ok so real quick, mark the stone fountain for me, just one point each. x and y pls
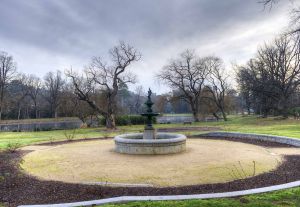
(150, 142)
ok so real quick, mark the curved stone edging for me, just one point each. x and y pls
(270, 138)
(162, 137)
(124, 199)
(165, 143)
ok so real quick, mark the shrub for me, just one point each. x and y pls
(16, 130)
(51, 139)
(13, 146)
(70, 135)
(294, 110)
(128, 120)
(36, 129)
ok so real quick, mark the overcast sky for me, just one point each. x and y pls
(47, 35)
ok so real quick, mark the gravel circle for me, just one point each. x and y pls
(18, 188)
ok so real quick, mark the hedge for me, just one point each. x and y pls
(128, 120)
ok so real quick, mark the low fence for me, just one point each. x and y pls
(174, 119)
(41, 126)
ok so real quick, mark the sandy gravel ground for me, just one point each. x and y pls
(205, 161)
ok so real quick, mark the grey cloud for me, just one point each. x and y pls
(84, 28)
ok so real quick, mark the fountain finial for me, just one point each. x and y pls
(149, 93)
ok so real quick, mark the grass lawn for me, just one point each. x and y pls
(284, 198)
(27, 138)
(248, 124)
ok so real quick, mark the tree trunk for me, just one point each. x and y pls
(285, 112)
(195, 115)
(19, 114)
(248, 110)
(216, 116)
(194, 107)
(224, 115)
(110, 121)
(1, 107)
(110, 117)
(36, 110)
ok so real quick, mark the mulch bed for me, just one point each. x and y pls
(18, 188)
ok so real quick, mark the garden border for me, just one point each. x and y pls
(270, 138)
(124, 199)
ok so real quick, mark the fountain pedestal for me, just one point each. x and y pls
(149, 134)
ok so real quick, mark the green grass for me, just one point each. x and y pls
(249, 124)
(27, 138)
(290, 197)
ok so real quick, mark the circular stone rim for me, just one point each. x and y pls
(165, 143)
(133, 138)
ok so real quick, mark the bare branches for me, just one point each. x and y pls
(274, 75)
(218, 83)
(188, 74)
(106, 79)
(53, 83)
(7, 72)
(268, 2)
(122, 55)
(294, 26)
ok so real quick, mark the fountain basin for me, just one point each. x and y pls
(165, 143)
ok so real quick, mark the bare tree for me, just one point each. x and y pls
(218, 83)
(273, 77)
(139, 92)
(7, 71)
(295, 14)
(106, 79)
(187, 74)
(34, 85)
(242, 78)
(53, 84)
(20, 91)
(281, 62)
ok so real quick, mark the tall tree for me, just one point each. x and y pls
(259, 85)
(218, 85)
(187, 74)
(100, 77)
(19, 92)
(34, 85)
(244, 89)
(7, 71)
(281, 62)
(137, 99)
(53, 84)
(274, 75)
